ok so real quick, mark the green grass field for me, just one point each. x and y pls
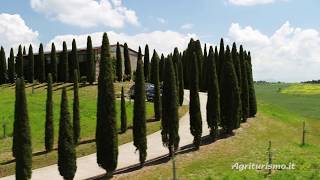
(279, 120)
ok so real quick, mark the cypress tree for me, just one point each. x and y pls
(64, 63)
(54, 64)
(170, 119)
(216, 59)
(181, 82)
(49, 132)
(22, 149)
(146, 64)
(24, 51)
(175, 62)
(31, 65)
(11, 67)
(127, 62)
(74, 61)
(161, 68)
(198, 51)
(204, 75)
(244, 86)
(221, 58)
(42, 73)
(119, 63)
(3, 67)
(230, 95)
(156, 82)
(19, 63)
(106, 129)
(139, 112)
(252, 94)
(213, 103)
(123, 112)
(194, 107)
(76, 112)
(237, 67)
(91, 62)
(66, 149)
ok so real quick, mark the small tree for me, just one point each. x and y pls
(49, 128)
(106, 129)
(91, 62)
(42, 73)
(139, 112)
(19, 63)
(74, 61)
(123, 112)
(76, 111)
(66, 149)
(64, 63)
(252, 94)
(119, 63)
(155, 81)
(11, 67)
(31, 65)
(127, 63)
(170, 118)
(3, 67)
(194, 107)
(54, 63)
(146, 64)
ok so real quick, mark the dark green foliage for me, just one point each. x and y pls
(175, 62)
(3, 67)
(74, 61)
(76, 110)
(106, 129)
(139, 111)
(66, 149)
(54, 64)
(213, 103)
(30, 65)
(123, 112)
(127, 63)
(237, 67)
(19, 63)
(156, 82)
(216, 58)
(42, 73)
(194, 107)
(118, 63)
(22, 149)
(64, 63)
(230, 95)
(24, 51)
(11, 67)
(170, 119)
(91, 68)
(161, 68)
(181, 82)
(204, 81)
(198, 51)
(49, 137)
(146, 64)
(220, 60)
(244, 86)
(252, 94)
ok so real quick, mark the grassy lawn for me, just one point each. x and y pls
(279, 120)
(36, 107)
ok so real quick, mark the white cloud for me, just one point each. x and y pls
(161, 20)
(162, 41)
(289, 54)
(87, 13)
(14, 31)
(250, 2)
(187, 26)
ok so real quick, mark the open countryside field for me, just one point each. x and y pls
(279, 120)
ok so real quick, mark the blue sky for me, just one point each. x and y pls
(281, 28)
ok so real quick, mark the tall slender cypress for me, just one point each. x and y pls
(204, 75)
(54, 63)
(252, 94)
(230, 95)
(74, 61)
(175, 62)
(76, 110)
(221, 58)
(127, 62)
(64, 63)
(119, 63)
(161, 68)
(42, 73)
(213, 103)
(66, 149)
(3, 67)
(24, 51)
(123, 112)
(31, 65)
(19, 63)
(194, 107)
(49, 128)
(244, 86)
(11, 67)
(146, 64)
(22, 149)
(181, 82)
(106, 129)
(237, 67)
(170, 119)
(91, 62)
(139, 111)
(156, 82)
